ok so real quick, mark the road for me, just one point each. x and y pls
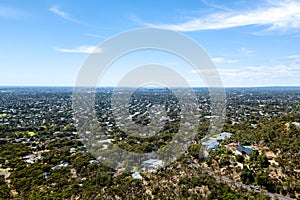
(247, 187)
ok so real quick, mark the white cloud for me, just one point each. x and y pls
(63, 14)
(265, 72)
(287, 73)
(293, 59)
(223, 60)
(280, 75)
(81, 49)
(278, 15)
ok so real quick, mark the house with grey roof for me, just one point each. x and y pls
(244, 150)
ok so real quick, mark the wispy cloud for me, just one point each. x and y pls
(286, 72)
(80, 49)
(257, 72)
(276, 75)
(223, 60)
(95, 36)
(246, 51)
(64, 15)
(263, 72)
(294, 59)
(277, 15)
(212, 5)
(10, 12)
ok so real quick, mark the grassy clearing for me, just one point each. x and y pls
(31, 133)
(4, 115)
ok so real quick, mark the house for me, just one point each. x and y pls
(244, 150)
(46, 175)
(224, 135)
(93, 161)
(63, 164)
(211, 144)
(72, 150)
(30, 159)
(152, 165)
(297, 124)
(214, 142)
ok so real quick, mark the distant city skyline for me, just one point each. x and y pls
(252, 43)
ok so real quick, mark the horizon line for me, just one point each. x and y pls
(69, 86)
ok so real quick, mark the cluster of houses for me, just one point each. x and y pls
(244, 104)
(213, 143)
(35, 107)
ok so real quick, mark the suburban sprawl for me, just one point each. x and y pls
(255, 155)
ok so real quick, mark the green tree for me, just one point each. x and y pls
(4, 189)
(240, 158)
(194, 149)
(247, 176)
(263, 161)
(253, 155)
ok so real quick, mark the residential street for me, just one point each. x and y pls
(247, 187)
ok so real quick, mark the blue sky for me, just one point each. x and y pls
(252, 43)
